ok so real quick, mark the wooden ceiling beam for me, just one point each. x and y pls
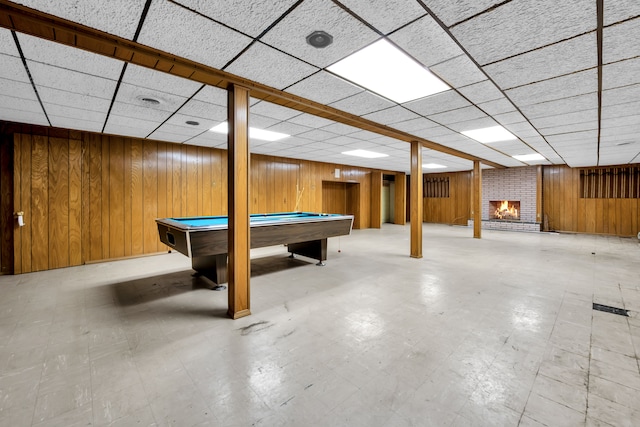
(39, 24)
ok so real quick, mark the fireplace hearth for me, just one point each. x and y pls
(504, 210)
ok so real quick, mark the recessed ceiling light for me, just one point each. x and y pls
(149, 101)
(490, 134)
(386, 70)
(433, 166)
(264, 135)
(319, 39)
(365, 153)
(529, 157)
(192, 123)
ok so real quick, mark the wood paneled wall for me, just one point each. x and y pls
(7, 219)
(90, 197)
(456, 208)
(565, 210)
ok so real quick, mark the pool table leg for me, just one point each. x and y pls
(316, 249)
(213, 267)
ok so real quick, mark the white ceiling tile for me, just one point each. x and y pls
(76, 123)
(13, 69)
(385, 15)
(11, 115)
(133, 95)
(157, 81)
(180, 120)
(75, 100)
(613, 122)
(497, 106)
(7, 44)
(438, 103)
(209, 139)
(459, 71)
(479, 123)
(324, 87)
(119, 17)
(621, 73)
(20, 104)
(362, 103)
(79, 114)
(289, 128)
(615, 11)
(521, 25)
(317, 135)
(621, 41)
(433, 132)
(568, 128)
(71, 81)
(62, 56)
(509, 118)
(451, 12)
(212, 95)
(561, 106)
(483, 91)
(203, 110)
(459, 115)
(129, 126)
(127, 115)
(251, 18)
(261, 122)
(311, 121)
(268, 66)
(340, 129)
(414, 124)
(174, 29)
(589, 136)
(620, 95)
(391, 115)
(274, 111)
(560, 87)
(559, 119)
(349, 34)
(573, 55)
(426, 41)
(19, 90)
(343, 140)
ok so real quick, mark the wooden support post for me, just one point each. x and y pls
(238, 199)
(477, 200)
(416, 216)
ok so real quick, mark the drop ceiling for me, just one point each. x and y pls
(532, 67)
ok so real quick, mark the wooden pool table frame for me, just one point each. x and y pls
(207, 245)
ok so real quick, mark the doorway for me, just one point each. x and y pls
(342, 198)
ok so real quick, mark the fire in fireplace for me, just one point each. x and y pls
(504, 209)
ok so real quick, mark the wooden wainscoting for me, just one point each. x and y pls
(90, 197)
(564, 208)
(454, 209)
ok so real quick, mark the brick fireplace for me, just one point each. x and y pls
(518, 188)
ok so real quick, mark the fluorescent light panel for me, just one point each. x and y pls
(490, 134)
(261, 134)
(365, 153)
(386, 70)
(433, 166)
(529, 157)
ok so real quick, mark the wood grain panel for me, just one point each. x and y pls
(40, 203)
(137, 199)
(75, 202)
(95, 194)
(10, 185)
(85, 232)
(191, 163)
(127, 196)
(9, 147)
(105, 197)
(150, 196)
(116, 197)
(58, 203)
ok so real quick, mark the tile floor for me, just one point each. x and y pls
(492, 332)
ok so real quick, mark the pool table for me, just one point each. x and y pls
(204, 239)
